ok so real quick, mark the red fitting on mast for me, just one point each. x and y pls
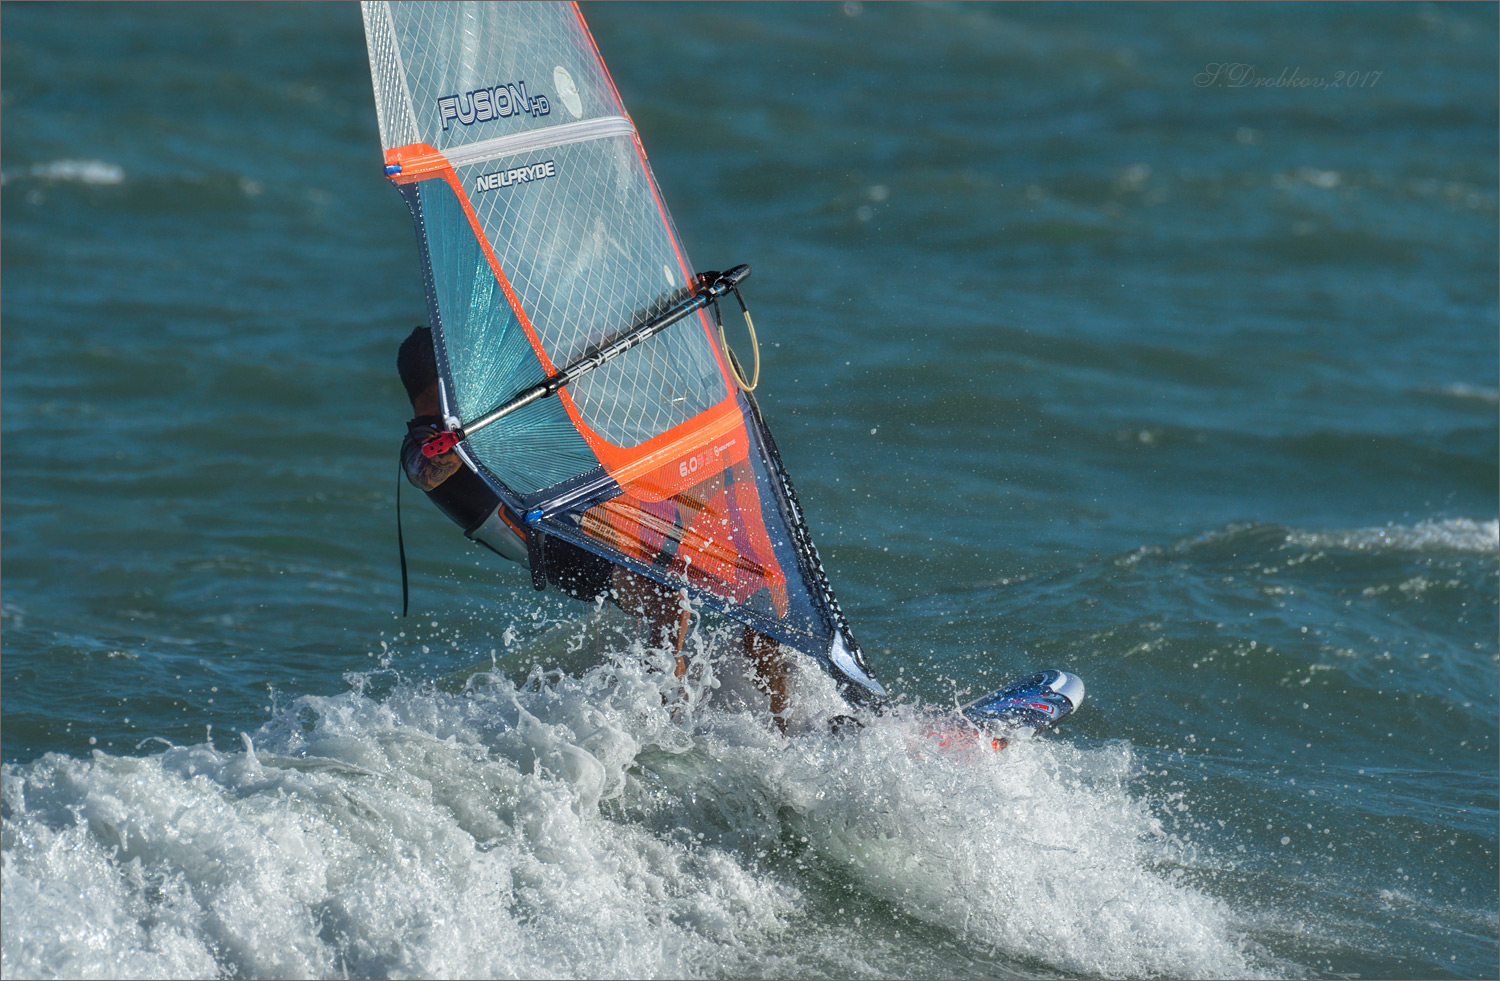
(440, 443)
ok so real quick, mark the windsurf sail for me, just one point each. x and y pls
(581, 375)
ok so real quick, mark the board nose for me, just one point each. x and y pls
(1068, 685)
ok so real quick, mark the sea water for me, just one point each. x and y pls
(1153, 343)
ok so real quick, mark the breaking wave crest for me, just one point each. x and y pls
(79, 171)
(1443, 536)
(601, 824)
(1448, 535)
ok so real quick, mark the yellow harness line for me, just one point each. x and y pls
(734, 366)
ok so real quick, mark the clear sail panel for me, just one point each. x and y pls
(453, 74)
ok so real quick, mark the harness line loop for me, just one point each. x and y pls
(734, 367)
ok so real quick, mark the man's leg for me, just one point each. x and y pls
(770, 672)
(667, 619)
(665, 614)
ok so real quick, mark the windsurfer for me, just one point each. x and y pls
(464, 497)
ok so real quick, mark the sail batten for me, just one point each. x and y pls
(588, 129)
(544, 240)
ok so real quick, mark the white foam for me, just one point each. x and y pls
(570, 826)
(81, 171)
(1459, 390)
(1451, 534)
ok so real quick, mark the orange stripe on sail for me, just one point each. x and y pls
(722, 544)
(419, 161)
(661, 207)
(712, 536)
(658, 462)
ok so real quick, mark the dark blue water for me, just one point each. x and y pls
(1092, 337)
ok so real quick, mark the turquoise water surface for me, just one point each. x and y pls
(1157, 343)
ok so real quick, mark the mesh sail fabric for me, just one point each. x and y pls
(485, 354)
(543, 237)
(424, 53)
(589, 255)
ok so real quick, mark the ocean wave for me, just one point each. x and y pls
(1446, 535)
(1442, 535)
(1459, 390)
(579, 826)
(80, 171)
